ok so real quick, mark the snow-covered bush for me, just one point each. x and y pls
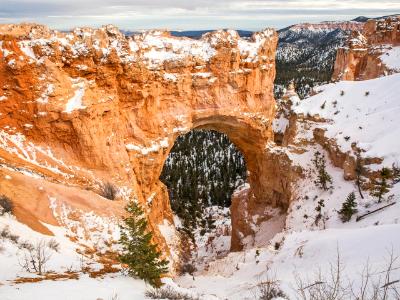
(5, 233)
(54, 245)
(6, 205)
(188, 268)
(36, 257)
(334, 285)
(168, 293)
(268, 290)
(108, 191)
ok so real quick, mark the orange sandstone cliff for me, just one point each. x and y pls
(362, 59)
(90, 106)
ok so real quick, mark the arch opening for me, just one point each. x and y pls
(268, 175)
(205, 167)
(202, 171)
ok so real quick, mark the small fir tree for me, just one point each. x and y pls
(323, 179)
(381, 185)
(395, 174)
(141, 257)
(210, 222)
(348, 208)
(359, 171)
(318, 209)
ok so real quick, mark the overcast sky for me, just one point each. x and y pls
(188, 14)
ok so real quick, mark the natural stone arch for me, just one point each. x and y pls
(250, 135)
(132, 109)
(249, 138)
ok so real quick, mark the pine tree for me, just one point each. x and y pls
(138, 253)
(396, 173)
(323, 179)
(348, 208)
(318, 209)
(359, 171)
(381, 185)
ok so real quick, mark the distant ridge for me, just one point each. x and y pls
(364, 19)
(361, 19)
(194, 34)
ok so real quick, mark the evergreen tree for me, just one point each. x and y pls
(142, 258)
(318, 209)
(359, 171)
(381, 185)
(323, 178)
(348, 208)
(396, 174)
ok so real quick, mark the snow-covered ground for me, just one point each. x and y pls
(391, 58)
(112, 287)
(216, 242)
(303, 253)
(64, 261)
(366, 112)
(361, 112)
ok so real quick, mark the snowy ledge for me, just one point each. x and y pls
(364, 113)
(153, 47)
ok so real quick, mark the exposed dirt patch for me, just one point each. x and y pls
(47, 276)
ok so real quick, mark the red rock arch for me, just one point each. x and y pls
(132, 106)
(269, 173)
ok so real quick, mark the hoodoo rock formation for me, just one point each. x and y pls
(363, 57)
(91, 106)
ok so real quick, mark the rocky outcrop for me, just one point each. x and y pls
(284, 124)
(248, 211)
(328, 26)
(361, 58)
(92, 105)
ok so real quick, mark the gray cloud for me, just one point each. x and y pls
(184, 14)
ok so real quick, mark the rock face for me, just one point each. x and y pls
(327, 26)
(306, 53)
(92, 106)
(248, 211)
(362, 58)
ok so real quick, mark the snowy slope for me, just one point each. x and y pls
(109, 288)
(391, 58)
(64, 261)
(306, 246)
(236, 276)
(366, 114)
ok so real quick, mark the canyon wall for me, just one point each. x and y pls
(90, 106)
(361, 59)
